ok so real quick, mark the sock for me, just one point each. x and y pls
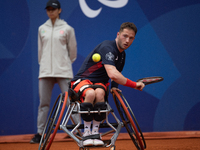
(87, 126)
(95, 128)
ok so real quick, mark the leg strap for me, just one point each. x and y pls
(100, 106)
(87, 107)
(94, 136)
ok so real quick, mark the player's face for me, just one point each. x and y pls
(125, 39)
(53, 13)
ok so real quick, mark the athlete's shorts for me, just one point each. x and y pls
(80, 87)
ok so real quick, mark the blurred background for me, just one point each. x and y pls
(167, 44)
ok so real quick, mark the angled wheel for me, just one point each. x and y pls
(53, 122)
(129, 120)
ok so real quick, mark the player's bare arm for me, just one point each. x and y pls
(116, 76)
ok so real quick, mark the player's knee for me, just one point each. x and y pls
(100, 106)
(87, 107)
(99, 94)
(90, 96)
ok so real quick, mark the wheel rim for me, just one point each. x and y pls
(50, 124)
(59, 119)
(128, 121)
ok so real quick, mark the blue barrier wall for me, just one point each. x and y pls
(167, 44)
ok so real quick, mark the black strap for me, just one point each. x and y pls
(94, 136)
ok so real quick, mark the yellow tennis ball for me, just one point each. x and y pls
(96, 57)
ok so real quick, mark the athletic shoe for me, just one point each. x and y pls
(98, 142)
(36, 139)
(87, 141)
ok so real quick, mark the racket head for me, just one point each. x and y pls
(150, 80)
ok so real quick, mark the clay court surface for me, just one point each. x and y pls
(155, 141)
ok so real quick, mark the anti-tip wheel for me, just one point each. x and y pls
(112, 147)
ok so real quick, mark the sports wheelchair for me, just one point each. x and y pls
(58, 114)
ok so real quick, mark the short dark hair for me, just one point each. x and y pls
(128, 25)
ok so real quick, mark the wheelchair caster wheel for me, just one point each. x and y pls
(112, 147)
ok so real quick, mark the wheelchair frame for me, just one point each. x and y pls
(56, 115)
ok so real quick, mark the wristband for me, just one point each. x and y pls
(130, 83)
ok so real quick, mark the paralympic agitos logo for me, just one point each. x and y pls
(93, 13)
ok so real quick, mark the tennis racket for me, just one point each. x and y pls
(150, 80)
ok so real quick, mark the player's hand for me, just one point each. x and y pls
(139, 86)
(114, 88)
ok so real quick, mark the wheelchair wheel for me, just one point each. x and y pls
(112, 147)
(53, 122)
(129, 120)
